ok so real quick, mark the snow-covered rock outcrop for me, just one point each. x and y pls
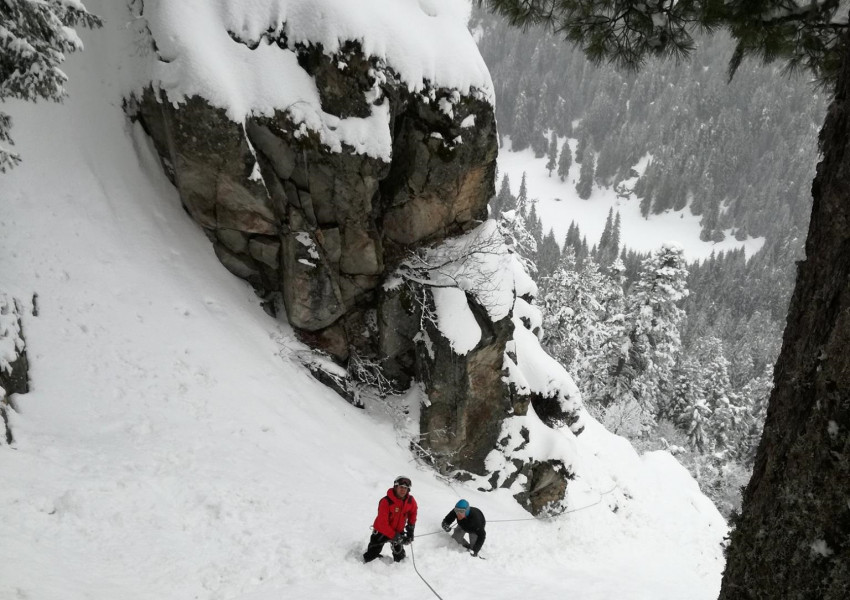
(500, 410)
(322, 145)
(316, 141)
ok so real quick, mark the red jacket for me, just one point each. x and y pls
(394, 513)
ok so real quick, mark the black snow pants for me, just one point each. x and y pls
(376, 544)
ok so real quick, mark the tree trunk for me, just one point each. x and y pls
(792, 540)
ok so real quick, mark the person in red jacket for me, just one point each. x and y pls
(395, 521)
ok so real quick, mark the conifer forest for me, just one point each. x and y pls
(670, 354)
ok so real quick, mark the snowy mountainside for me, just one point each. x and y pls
(558, 204)
(171, 446)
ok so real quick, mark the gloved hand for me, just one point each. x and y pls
(446, 526)
(408, 534)
(396, 543)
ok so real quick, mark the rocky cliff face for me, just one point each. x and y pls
(314, 230)
(317, 230)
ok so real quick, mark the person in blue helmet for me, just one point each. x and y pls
(470, 521)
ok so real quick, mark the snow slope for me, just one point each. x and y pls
(172, 446)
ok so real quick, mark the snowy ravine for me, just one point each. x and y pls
(172, 446)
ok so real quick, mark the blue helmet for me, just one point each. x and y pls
(464, 506)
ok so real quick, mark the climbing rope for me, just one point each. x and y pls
(602, 495)
(413, 560)
(419, 535)
(433, 591)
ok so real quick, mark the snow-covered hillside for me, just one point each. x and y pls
(558, 204)
(173, 447)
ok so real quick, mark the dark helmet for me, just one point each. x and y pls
(402, 480)
(462, 505)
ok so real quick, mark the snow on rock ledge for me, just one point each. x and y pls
(226, 52)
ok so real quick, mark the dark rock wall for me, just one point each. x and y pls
(317, 232)
(468, 400)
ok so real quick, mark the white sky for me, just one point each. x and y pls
(172, 447)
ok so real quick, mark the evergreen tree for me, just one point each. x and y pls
(565, 161)
(615, 236)
(607, 231)
(583, 251)
(606, 163)
(548, 255)
(34, 39)
(695, 422)
(680, 201)
(504, 200)
(654, 308)
(687, 391)
(584, 187)
(552, 163)
(609, 242)
(640, 361)
(522, 197)
(523, 123)
(533, 224)
(710, 220)
(645, 203)
(573, 238)
(663, 199)
(539, 144)
(581, 148)
(582, 310)
(703, 405)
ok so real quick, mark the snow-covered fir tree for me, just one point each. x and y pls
(573, 312)
(655, 315)
(522, 196)
(639, 359)
(519, 239)
(35, 36)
